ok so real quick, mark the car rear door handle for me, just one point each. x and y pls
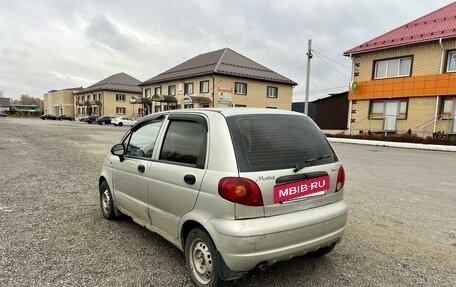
(141, 168)
(190, 179)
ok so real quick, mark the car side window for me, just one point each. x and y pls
(142, 140)
(185, 143)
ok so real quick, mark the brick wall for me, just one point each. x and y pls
(426, 58)
(420, 118)
(255, 97)
(422, 88)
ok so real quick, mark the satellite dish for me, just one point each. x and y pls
(353, 86)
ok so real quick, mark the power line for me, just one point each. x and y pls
(332, 60)
(320, 90)
(345, 75)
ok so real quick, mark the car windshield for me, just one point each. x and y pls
(265, 142)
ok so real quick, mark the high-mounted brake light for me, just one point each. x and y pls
(340, 179)
(240, 190)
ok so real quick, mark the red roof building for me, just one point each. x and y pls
(440, 24)
(405, 79)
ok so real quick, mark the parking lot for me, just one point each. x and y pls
(401, 229)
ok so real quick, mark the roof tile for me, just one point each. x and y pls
(433, 26)
(225, 62)
(119, 82)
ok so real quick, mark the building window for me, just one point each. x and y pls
(121, 111)
(447, 107)
(88, 97)
(83, 98)
(120, 98)
(240, 88)
(377, 108)
(147, 93)
(451, 61)
(188, 89)
(239, 106)
(271, 107)
(204, 87)
(399, 67)
(172, 90)
(272, 92)
(157, 91)
(100, 97)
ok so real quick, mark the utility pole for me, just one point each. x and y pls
(309, 56)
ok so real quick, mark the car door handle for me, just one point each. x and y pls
(190, 179)
(141, 168)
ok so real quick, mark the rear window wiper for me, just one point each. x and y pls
(309, 162)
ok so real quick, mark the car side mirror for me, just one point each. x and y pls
(118, 150)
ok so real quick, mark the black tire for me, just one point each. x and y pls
(322, 251)
(120, 124)
(201, 259)
(106, 202)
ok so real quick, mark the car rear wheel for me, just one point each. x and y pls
(106, 201)
(201, 258)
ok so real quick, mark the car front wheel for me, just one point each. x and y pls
(106, 201)
(120, 124)
(201, 258)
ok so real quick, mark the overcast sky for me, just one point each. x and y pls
(60, 44)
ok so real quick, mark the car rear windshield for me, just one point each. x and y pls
(268, 141)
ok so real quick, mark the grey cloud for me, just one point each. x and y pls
(103, 32)
(53, 44)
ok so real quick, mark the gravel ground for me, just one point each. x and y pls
(401, 229)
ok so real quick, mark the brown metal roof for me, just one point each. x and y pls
(74, 90)
(5, 102)
(225, 62)
(440, 24)
(120, 82)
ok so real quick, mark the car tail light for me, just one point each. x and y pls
(340, 179)
(240, 190)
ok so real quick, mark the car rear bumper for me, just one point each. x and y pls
(244, 244)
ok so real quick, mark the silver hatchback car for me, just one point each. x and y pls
(234, 188)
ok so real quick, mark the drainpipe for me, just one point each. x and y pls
(442, 68)
(442, 57)
(182, 104)
(350, 102)
(213, 91)
(436, 114)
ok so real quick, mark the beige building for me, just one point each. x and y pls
(109, 97)
(221, 78)
(406, 79)
(60, 102)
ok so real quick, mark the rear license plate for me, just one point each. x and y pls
(302, 188)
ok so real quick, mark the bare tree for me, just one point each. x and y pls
(28, 100)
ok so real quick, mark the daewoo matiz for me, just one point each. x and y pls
(234, 188)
